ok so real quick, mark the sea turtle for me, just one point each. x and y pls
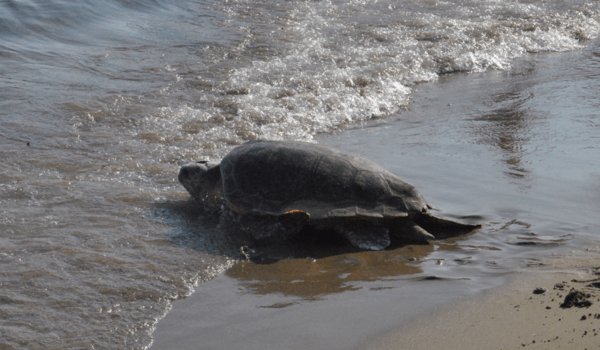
(273, 188)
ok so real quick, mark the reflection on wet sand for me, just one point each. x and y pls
(313, 266)
(311, 278)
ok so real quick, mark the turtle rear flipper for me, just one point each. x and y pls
(365, 237)
(443, 228)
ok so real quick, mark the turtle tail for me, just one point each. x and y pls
(407, 230)
(442, 228)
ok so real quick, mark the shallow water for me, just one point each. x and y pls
(101, 102)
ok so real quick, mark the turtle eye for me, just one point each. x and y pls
(202, 161)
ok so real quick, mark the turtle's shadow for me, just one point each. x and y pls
(195, 228)
(308, 243)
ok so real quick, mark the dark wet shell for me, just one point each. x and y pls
(274, 177)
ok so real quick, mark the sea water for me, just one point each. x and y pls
(102, 101)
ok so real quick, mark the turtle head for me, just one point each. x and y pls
(203, 181)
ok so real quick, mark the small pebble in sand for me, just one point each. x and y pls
(539, 291)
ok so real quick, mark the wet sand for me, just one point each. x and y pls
(335, 302)
(532, 311)
(513, 150)
(433, 314)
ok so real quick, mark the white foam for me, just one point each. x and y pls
(345, 62)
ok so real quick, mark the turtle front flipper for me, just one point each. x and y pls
(270, 228)
(443, 228)
(365, 237)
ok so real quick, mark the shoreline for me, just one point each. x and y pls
(414, 295)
